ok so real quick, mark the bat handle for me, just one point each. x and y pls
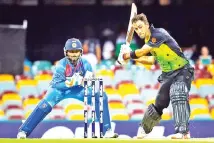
(127, 43)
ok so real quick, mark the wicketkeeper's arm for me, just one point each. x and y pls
(59, 79)
(138, 53)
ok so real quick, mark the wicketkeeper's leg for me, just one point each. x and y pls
(41, 111)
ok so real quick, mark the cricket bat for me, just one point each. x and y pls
(130, 30)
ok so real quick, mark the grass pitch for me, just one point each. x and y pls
(207, 140)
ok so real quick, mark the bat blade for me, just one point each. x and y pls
(130, 30)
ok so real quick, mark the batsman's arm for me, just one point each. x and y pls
(148, 60)
(138, 53)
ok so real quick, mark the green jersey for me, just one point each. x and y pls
(165, 50)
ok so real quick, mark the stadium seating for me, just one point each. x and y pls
(27, 88)
(193, 90)
(74, 110)
(11, 99)
(57, 113)
(27, 68)
(130, 90)
(118, 111)
(167, 114)
(43, 82)
(205, 90)
(41, 66)
(212, 113)
(29, 104)
(2, 116)
(7, 83)
(119, 76)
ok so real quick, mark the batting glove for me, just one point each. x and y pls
(123, 50)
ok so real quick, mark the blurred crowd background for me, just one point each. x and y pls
(32, 37)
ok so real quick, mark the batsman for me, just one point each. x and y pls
(67, 83)
(176, 77)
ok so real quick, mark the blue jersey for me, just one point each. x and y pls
(65, 69)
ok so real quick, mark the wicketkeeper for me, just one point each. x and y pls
(67, 83)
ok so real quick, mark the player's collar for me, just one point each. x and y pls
(71, 64)
(151, 28)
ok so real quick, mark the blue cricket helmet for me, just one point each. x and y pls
(73, 44)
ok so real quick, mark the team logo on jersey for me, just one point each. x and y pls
(44, 105)
(68, 70)
(154, 40)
